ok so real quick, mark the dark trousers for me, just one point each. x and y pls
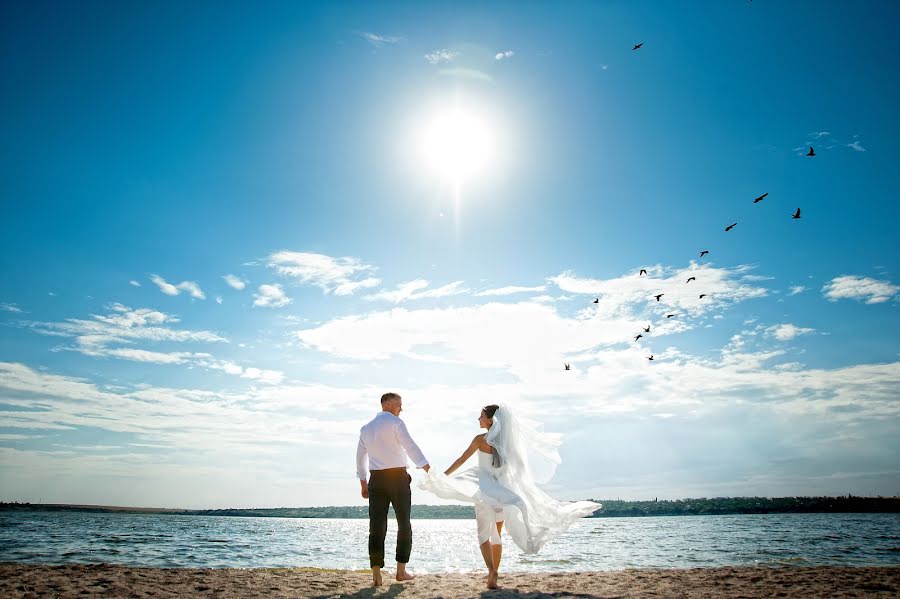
(386, 488)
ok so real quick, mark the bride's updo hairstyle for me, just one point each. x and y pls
(490, 410)
(491, 435)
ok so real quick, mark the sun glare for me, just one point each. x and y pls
(458, 144)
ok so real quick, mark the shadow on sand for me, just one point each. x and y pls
(516, 594)
(370, 593)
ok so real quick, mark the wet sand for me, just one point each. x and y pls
(20, 580)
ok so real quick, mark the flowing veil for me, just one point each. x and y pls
(523, 456)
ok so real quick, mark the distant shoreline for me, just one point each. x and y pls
(611, 508)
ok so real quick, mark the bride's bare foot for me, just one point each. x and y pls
(376, 577)
(492, 580)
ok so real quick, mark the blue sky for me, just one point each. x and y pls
(149, 151)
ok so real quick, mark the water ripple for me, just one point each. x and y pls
(449, 545)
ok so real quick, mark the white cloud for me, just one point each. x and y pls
(124, 325)
(509, 290)
(219, 299)
(871, 290)
(502, 55)
(190, 286)
(439, 56)
(411, 290)
(271, 296)
(622, 295)
(343, 276)
(379, 40)
(820, 134)
(786, 332)
(134, 283)
(10, 308)
(795, 289)
(235, 282)
(104, 336)
(164, 286)
(856, 146)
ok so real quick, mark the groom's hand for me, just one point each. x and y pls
(364, 489)
(426, 467)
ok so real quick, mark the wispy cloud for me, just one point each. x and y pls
(134, 283)
(271, 296)
(439, 56)
(873, 291)
(505, 54)
(169, 289)
(856, 146)
(125, 325)
(10, 308)
(819, 134)
(786, 332)
(416, 290)
(105, 336)
(511, 289)
(379, 40)
(235, 282)
(795, 289)
(342, 276)
(627, 293)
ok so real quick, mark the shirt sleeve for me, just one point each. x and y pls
(362, 469)
(412, 450)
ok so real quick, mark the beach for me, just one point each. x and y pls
(107, 580)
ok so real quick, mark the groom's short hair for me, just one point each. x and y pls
(389, 397)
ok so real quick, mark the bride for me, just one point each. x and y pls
(512, 457)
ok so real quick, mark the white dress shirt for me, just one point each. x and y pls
(387, 443)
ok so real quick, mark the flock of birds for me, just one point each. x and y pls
(643, 271)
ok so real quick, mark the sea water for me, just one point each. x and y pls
(449, 545)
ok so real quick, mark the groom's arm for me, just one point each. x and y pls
(412, 450)
(362, 468)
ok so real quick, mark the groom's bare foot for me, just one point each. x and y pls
(492, 580)
(402, 574)
(376, 577)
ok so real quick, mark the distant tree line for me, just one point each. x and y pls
(612, 508)
(704, 506)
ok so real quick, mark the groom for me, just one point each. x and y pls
(387, 443)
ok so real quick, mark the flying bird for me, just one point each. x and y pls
(691, 279)
(796, 214)
(669, 315)
(703, 253)
(567, 366)
(650, 358)
(643, 272)
(760, 198)
(730, 227)
(702, 295)
(597, 301)
(647, 330)
(659, 296)
(637, 46)
(811, 152)
(638, 336)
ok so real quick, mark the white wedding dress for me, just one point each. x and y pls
(532, 517)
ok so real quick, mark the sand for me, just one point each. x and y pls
(19, 580)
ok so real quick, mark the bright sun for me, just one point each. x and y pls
(458, 144)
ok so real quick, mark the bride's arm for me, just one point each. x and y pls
(465, 456)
